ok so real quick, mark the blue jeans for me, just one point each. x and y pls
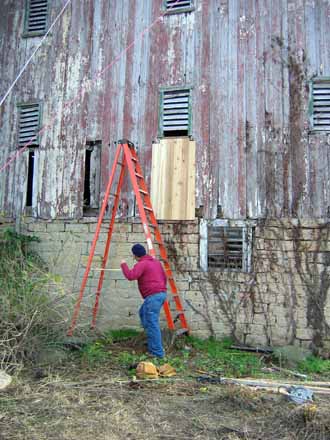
(149, 316)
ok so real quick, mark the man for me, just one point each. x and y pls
(151, 279)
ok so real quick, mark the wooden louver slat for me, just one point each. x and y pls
(37, 16)
(28, 123)
(178, 4)
(175, 111)
(321, 105)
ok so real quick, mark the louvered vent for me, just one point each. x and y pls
(225, 247)
(174, 5)
(175, 113)
(28, 124)
(321, 105)
(37, 16)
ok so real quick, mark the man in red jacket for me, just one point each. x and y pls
(151, 279)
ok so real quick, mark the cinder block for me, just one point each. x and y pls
(304, 333)
(123, 227)
(137, 228)
(55, 227)
(137, 238)
(120, 237)
(39, 226)
(80, 228)
(104, 227)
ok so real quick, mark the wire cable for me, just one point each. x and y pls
(33, 53)
(82, 89)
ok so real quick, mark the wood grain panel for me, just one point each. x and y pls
(173, 179)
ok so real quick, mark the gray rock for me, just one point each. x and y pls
(5, 380)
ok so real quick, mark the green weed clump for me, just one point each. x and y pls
(216, 356)
(314, 365)
(99, 351)
(30, 315)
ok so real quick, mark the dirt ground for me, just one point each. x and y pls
(106, 404)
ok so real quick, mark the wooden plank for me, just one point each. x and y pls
(191, 179)
(173, 179)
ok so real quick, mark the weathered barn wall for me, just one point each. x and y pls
(249, 64)
(283, 301)
(98, 75)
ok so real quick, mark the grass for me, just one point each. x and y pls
(190, 356)
(216, 356)
(314, 365)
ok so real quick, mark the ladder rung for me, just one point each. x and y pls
(143, 192)
(147, 208)
(133, 158)
(139, 176)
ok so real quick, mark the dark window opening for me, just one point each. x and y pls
(225, 247)
(29, 125)
(175, 113)
(30, 175)
(177, 133)
(92, 178)
(36, 17)
(87, 189)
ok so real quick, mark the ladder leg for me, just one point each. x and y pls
(107, 246)
(92, 251)
(169, 319)
(139, 200)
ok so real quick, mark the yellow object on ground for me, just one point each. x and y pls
(166, 370)
(146, 370)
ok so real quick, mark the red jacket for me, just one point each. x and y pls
(149, 273)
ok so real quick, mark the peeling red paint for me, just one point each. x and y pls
(238, 58)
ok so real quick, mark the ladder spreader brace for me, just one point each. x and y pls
(126, 158)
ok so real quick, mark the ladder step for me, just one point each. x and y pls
(147, 208)
(143, 192)
(139, 176)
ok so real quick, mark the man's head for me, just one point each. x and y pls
(138, 251)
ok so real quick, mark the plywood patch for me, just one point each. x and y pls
(173, 179)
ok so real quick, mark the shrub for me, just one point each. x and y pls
(30, 299)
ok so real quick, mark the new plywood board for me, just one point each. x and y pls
(173, 179)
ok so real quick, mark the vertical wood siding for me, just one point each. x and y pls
(248, 62)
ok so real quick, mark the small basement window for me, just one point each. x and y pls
(29, 125)
(226, 245)
(175, 112)
(176, 6)
(36, 18)
(320, 104)
(92, 178)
